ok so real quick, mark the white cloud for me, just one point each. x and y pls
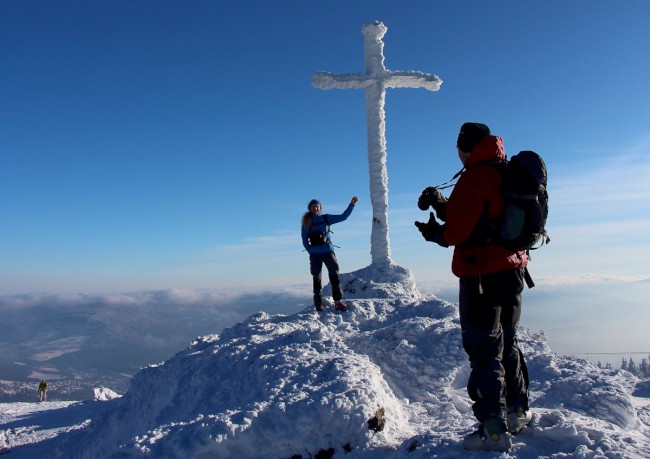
(617, 186)
(258, 246)
(590, 279)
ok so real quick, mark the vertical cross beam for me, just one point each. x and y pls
(375, 80)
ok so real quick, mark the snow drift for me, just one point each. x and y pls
(306, 385)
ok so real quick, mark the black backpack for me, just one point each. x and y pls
(523, 184)
(523, 224)
(319, 238)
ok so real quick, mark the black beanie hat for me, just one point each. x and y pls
(470, 135)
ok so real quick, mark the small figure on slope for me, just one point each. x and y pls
(42, 391)
(4, 443)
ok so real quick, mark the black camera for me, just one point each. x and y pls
(430, 197)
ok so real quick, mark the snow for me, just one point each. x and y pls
(104, 394)
(289, 386)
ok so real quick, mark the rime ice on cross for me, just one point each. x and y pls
(375, 80)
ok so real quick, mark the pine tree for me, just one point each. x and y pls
(631, 367)
(624, 364)
(644, 371)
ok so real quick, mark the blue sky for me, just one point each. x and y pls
(160, 144)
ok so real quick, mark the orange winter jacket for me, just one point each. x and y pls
(476, 193)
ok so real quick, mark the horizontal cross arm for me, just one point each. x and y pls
(412, 79)
(327, 80)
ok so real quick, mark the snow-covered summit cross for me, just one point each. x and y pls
(375, 80)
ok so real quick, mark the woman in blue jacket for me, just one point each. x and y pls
(317, 242)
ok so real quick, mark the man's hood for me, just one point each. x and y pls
(488, 149)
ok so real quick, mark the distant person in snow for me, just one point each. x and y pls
(42, 391)
(4, 442)
(4, 448)
(317, 242)
(491, 280)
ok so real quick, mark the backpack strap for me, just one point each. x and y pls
(528, 278)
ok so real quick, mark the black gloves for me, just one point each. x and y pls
(434, 198)
(432, 231)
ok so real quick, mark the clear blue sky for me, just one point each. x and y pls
(167, 144)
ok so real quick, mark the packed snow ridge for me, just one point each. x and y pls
(306, 385)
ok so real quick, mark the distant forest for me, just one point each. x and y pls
(641, 370)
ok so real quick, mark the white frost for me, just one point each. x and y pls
(282, 386)
(375, 80)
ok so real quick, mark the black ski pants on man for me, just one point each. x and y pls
(316, 261)
(490, 308)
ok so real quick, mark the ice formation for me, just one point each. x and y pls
(375, 80)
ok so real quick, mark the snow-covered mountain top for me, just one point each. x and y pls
(306, 385)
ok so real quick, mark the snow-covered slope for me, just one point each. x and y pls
(305, 385)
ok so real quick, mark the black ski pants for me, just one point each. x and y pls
(490, 308)
(316, 261)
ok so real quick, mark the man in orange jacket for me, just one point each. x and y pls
(491, 280)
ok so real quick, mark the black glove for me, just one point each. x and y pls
(432, 231)
(431, 196)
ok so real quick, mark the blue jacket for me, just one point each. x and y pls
(321, 223)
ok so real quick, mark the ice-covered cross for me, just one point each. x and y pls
(375, 80)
